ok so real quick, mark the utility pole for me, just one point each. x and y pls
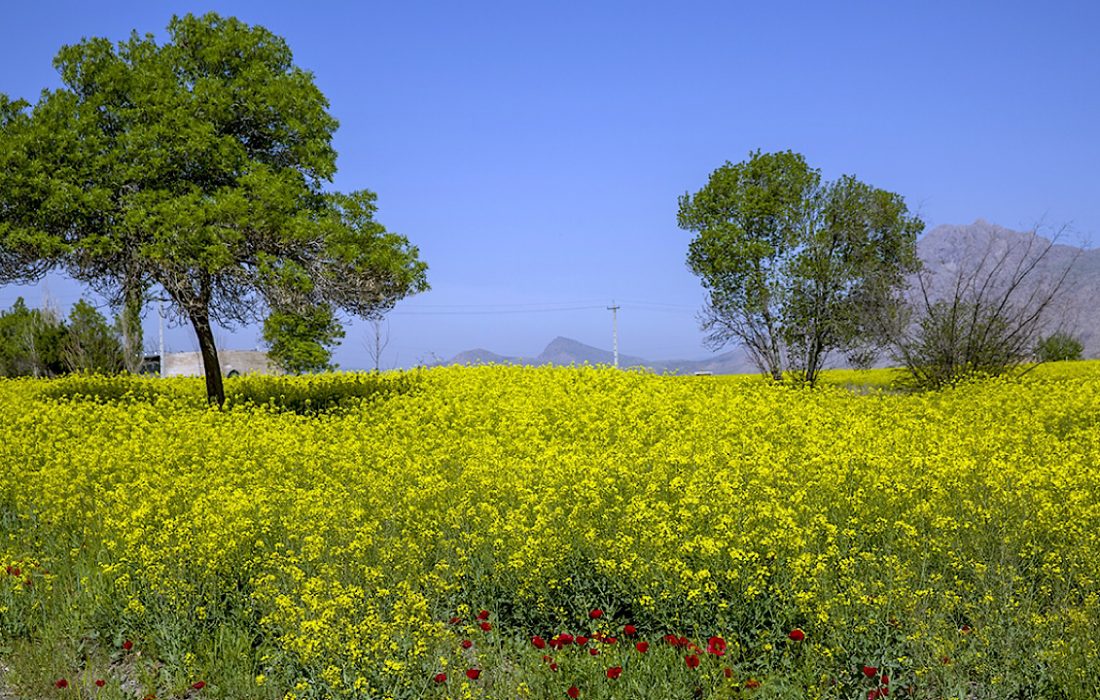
(161, 314)
(614, 309)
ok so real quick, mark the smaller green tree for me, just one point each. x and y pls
(301, 341)
(30, 342)
(91, 344)
(1059, 347)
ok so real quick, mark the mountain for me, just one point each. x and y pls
(480, 356)
(563, 351)
(945, 251)
(566, 351)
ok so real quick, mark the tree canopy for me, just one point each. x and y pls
(789, 261)
(299, 342)
(196, 166)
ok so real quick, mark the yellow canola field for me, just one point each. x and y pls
(950, 540)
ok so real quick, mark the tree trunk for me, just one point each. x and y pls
(215, 391)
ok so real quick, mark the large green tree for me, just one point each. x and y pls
(791, 262)
(197, 166)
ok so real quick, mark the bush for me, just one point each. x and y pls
(1059, 347)
(307, 395)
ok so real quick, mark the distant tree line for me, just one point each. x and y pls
(40, 343)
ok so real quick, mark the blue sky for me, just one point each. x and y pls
(535, 151)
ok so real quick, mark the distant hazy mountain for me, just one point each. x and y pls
(944, 250)
(566, 351)
(480, 356)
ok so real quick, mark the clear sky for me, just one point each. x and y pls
(535, 151)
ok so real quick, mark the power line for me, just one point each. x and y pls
(525, 308)
(508, 304)
(493, 312)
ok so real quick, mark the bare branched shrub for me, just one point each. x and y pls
(983, 318)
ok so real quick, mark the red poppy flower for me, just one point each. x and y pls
(198, 685)
(61, 683)
(692, 661)
(483, 615)
(595, 614)
(466, 644)
(127, 645)
(581, 640)
(565, 638)
(727, 672)
(796, 635)
(630, 630)
(573, 692)
(716, 646)
(553, 667)
(614, 672)
(539, 642)
(456, 620)
(946, 660)
(966, 629)
(610, 640)
(547, 659)
(870, 671)
(440, 678)
(99, 682)
(872, 695)
(885, 680)
(684, 642)
(752, 684)
(16, 572)
(642, 647)
(473, 673)
(593, 651)
(671, 639)
(485, 626)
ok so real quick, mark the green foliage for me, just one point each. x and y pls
(940, 354)
(791, 262)
(198, 166)
(31, 342)
(312, 395)
(91, 344)
(299, 342)
(319, 393)
(1059, 347)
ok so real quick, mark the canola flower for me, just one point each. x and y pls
(458, 532)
